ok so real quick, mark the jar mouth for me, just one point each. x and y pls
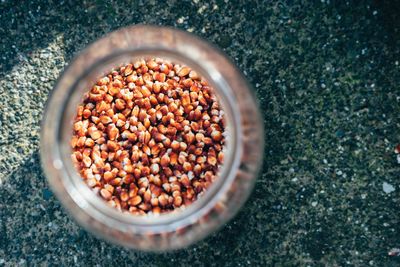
(92, 204)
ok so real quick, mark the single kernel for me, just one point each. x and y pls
(135, 201)
(183, 71)
(105, 194)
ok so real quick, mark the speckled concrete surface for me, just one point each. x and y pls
(327, 77)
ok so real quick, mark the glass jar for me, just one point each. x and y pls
(243, 154)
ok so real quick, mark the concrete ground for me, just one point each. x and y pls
(327, 78)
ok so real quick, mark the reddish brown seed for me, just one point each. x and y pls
(167, 187)
(108, 98)
(144, 206)
(86, 113)
(156, 210)
(183, 146)
(178, 201)
(105, 119)
(165, 160)
(120, 104)
(112, 132)
(151, 64)
(216, 135)
(221, 157)
(171, 131)
(129, 168)
(89, 142)
(167, 142)
(193, 75)
(183, 71)
(92, 182)
(128, 179)
(199, 137)
(207, 141)
(137, 172)
(144, 137)
(147, 196)
(187, 83)
(86, 161)
(175, 145)
(160, 77)
(81, 141)
(185, 180)
(154, 202)
(95, 134)
(102, 106)
(189, 138)
(135, 201)
(197, 169)
(103, 81)
(116, 181)
(124, 196)
(163, 200)
(105, 194)
(155, 150)
(154, 168)
(187, 166)
(159, 137)
(74, 141)
(211, 160)
(173, 158)
(112, 145)
(108, 176)
(128, 69)
(185, 99)
(132, 137)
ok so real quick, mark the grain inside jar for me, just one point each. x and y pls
(149, 137)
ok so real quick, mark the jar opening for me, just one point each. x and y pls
(92, 203)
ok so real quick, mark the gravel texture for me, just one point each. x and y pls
(326, 75)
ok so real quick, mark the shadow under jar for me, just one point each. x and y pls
(242, 153)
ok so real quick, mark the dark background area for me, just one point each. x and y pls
(326, 75)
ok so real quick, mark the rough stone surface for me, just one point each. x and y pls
(327, 78)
